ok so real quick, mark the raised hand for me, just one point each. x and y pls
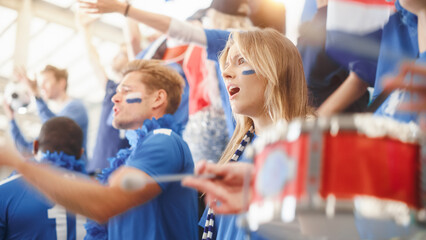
(397, 82)
(102, 6)
(83, 19)
(21, 74)
(224, 194)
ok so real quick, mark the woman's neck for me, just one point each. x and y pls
(260, 123)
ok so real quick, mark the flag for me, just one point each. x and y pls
(354, 29)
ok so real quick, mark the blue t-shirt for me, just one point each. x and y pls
(216, 42)
(108, 140)
(173, 213)
(399, 43)
(323, 74)
(27, 214)
(74, 110)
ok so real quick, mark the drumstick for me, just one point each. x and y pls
(133, 182)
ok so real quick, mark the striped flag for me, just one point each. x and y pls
(354, 33)
(358, 16)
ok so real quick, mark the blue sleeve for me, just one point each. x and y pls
(216, 42)
(159, 154)
(21, 144)
(43, 110)
(361, 57)
(77, 112)
(366, 70)
(74, 110)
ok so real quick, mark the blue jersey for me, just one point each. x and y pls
(399, 44)
(27, 214)
(173, 213)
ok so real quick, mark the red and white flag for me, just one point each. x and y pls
(358, 16)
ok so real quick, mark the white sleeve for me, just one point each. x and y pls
(187, 32)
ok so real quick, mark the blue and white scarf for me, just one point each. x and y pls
(209, 225)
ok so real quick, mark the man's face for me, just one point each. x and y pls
(50, 87)
(133, 102)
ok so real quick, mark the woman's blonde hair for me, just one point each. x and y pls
(277, 61)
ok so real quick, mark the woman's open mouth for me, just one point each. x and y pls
(232, 90)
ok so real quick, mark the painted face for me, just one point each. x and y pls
(50, 87)
(132, 102)
(245, 88)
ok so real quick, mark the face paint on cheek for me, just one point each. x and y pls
(134, 97)
(248, 72)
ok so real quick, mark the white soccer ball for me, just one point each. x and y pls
(17, 95)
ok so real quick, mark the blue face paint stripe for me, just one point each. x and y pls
(134, 100)
(134, 97)
(249, 72)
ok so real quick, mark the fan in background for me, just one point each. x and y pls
(17, 96)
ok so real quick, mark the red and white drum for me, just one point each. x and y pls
(316, 167)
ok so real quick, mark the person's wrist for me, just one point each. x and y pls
(10, 117)
(121, 7)
(127, 9)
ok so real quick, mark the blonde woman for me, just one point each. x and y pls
(263, 73)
